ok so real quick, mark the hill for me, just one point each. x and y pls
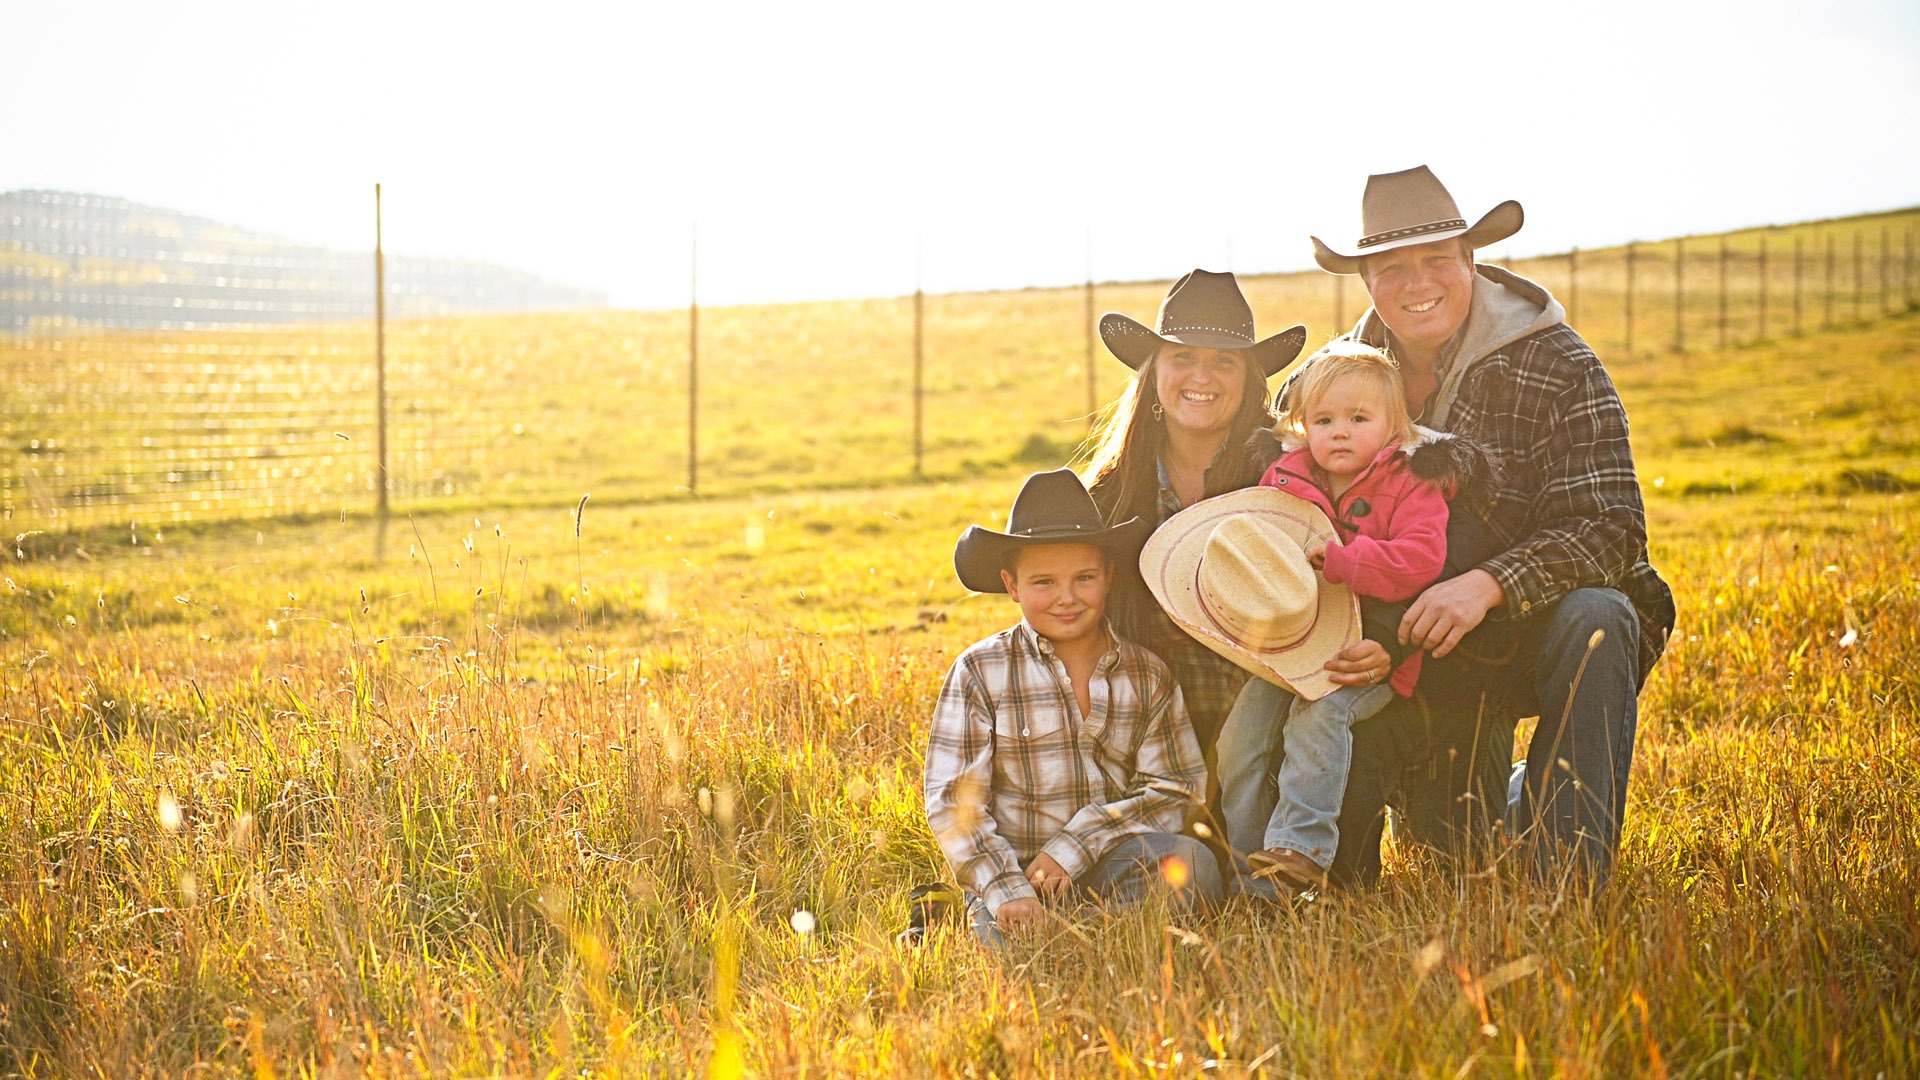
(80, 260)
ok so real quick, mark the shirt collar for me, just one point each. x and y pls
(1043, 646)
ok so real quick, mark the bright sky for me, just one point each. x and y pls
(818, 145)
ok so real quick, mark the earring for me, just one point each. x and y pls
(1158, 412)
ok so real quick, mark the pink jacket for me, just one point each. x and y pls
(1393, 532)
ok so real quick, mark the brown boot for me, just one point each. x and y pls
(1290, 868)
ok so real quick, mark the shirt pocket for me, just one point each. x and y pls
(1033, 753)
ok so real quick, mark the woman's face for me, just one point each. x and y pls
(1200, 389)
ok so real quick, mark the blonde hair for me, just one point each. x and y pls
(1337, 360)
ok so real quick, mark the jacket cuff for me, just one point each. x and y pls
(1337, 566)
(1523, 585)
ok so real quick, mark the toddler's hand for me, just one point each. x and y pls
(1317, 554)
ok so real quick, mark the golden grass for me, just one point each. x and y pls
(495, 798)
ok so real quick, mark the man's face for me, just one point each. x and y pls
(1422, 292)
(1061, 589)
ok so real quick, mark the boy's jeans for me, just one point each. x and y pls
(1281, 784)
(1126, 876)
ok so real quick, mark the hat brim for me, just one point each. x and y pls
(1170, 563)
(981, 553)
(1498, 223)
(1133, 343)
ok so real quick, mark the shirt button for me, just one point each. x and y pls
(1025, 733)
(1526, 605)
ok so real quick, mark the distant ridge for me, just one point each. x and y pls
(80, 260)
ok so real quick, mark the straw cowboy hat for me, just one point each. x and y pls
(1233, 572)
(1052, 508)
(1205, 310)
(1412, 207)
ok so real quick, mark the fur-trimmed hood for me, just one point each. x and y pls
(1453, 463)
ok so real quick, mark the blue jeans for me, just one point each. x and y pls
(1125, 877)
(1282, 781)
(1448, 750)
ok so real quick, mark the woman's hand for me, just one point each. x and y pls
(1363, 663)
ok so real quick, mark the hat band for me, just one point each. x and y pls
(1049, 530)
(1239, 332)
(1200, 594)
(1412, 230)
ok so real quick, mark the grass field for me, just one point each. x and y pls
(490, 411)
(636, 791)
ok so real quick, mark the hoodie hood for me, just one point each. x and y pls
(1506, 307)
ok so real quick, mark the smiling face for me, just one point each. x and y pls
(1061, 589)
(1348, 426)
(1422, 292)
(1200, 389)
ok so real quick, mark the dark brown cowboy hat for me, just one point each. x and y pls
(1412, 207)
(1205, 310)
(1052, 508)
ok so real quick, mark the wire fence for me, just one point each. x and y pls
(178, 420)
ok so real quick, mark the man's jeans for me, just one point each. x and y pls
(1125, 877)
(1281, 783)
(1575, 665)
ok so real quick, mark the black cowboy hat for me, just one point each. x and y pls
(1205, 310)
(1052, 508)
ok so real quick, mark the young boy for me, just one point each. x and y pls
(1060, 763)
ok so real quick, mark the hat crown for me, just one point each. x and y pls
(1406, 203)
(1255, 582)
(1204, 305)
(1053, 504)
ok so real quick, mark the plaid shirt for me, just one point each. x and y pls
(1014, 770)
(1567, 507)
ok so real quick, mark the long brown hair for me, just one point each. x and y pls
(1120, 459)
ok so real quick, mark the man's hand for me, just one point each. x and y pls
(1022, 915)
(1362, 663)
(1047, 878)
(1438, 618)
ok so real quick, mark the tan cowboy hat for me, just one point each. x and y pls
(1412, 207)
(1206, 310)
(1233, 572)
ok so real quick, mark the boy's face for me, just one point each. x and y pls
(1061, 589)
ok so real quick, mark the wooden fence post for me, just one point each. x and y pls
(1828, 321)
(382, 477)
(1629, 312)
(1796, 284)
(1679, 295)
(693, 363)
(1723, 293)
(1763, 290)
(919, 364)
(1573, 285)
(1092, 330)
(1886, 303)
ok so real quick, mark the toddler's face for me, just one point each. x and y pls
(1347, 427)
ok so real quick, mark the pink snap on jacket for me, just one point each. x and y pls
(1392, 526)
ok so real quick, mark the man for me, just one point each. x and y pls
(1548, 605)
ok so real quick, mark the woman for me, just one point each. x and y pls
(1191, 425)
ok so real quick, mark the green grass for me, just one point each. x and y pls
(483, 796)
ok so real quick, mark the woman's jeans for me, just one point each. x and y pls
(1281, 783)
